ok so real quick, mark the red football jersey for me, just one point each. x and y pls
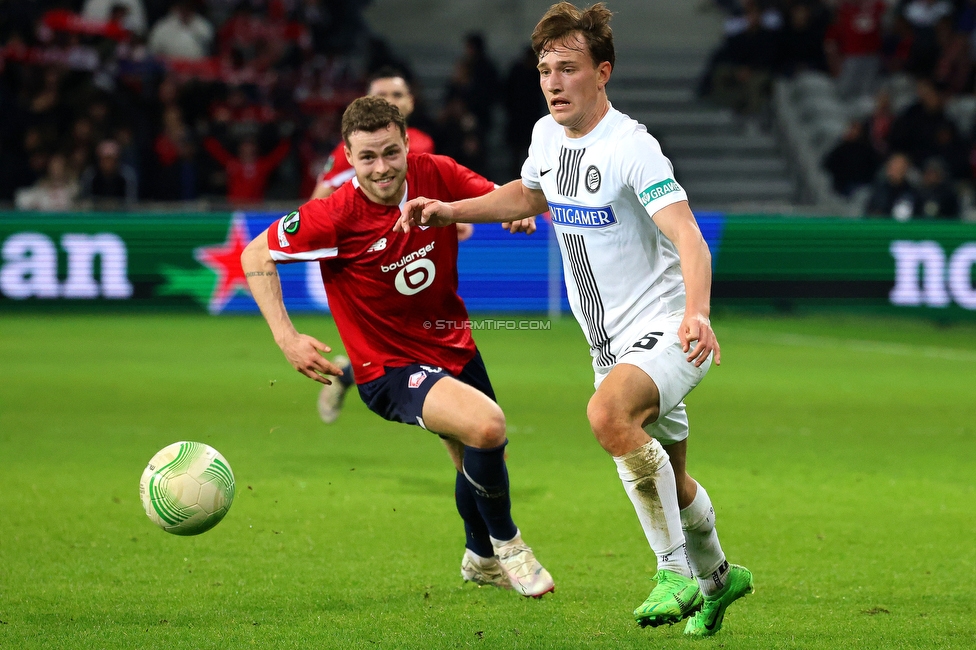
(393, 295)
(338, 170)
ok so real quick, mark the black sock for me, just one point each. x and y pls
(487, 475)
(475, 530)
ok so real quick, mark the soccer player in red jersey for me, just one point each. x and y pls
(394, 299)
(389, 84)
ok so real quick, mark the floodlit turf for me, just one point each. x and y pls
(838, 451)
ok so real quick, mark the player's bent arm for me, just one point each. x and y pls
(678, 224)
(301, 351)
(510, 202)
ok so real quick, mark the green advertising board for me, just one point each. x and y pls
(923, 267)
(117, 261)
(191, 262)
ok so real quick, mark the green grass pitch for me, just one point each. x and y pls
(839, 453)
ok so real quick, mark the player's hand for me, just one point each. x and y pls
(526, 225)
(304, 353)
(697, 328)
(465, 230)
(424, 212)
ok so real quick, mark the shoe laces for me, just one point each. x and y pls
(523, 564)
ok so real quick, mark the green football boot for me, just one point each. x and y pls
(709, 620)
(675, 597)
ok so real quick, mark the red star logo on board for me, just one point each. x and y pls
(225, 261)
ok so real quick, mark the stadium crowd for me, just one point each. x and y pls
(910, 162)
(107, 103)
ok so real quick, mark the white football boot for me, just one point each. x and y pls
(527, 576)
(332, 395)
(483, 571)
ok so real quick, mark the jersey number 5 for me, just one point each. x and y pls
(648, 341)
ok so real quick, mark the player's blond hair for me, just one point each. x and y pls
(564, 19)
(369, 114)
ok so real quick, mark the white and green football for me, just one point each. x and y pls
(187, 488)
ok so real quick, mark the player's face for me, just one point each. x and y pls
(380, 160)
(574, 85)
(394, 90)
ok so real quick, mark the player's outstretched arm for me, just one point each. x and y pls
(302, 351)
(678, 224)
(511, 202)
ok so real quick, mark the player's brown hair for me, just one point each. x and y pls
(564, 19)
(370, 114)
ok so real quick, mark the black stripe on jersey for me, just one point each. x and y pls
(567, 178)
(592, 305)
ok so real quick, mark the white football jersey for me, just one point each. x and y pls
(621, 271)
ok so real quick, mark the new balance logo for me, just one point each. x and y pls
(378, 246)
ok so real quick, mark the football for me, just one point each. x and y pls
(187, 488)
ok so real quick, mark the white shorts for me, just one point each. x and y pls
(656, 350)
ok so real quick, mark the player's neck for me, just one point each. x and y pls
(590, 121)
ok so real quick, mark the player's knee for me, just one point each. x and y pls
(609, 422)
(490, 430)
(605, 421)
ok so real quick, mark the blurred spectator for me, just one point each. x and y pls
(182, 34)
(457, 135)
(241, 32)
(175, 175)
(482, 90)
(897, 46)
(386, 83)
(936, 197)
(69, 81)
(877, 125)
(248, 172)
(743, 71)
(924, 14)
(952, 149)
(931, 22)
(803, 39)
(102, 10)
(524, 105)
(923, 130)
(893, 195)
(770, 17)
(316, 151)
(109, 182)
(27, 162)
(55, 191)
(853, 162)
(853, 46)
(469, 104)
(955, 64)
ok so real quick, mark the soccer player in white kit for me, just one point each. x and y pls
(639, 278)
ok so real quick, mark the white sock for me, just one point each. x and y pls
(704, 550)
(649, 481)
